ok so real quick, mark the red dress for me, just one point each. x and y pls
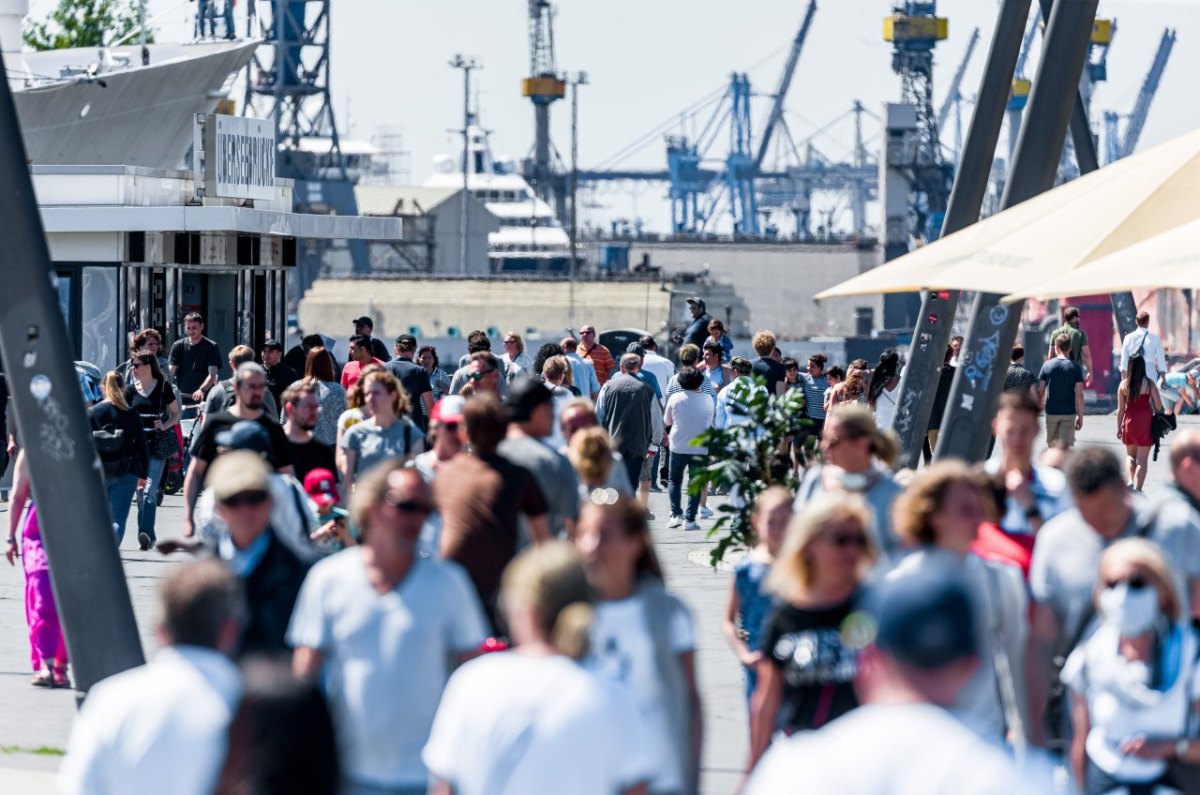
(1135, 428)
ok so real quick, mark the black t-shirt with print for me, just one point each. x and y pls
(204, 446)
(818, 669)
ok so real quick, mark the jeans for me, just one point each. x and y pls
(120, 498)
(633, 466)
(680, 462)
(148, 507)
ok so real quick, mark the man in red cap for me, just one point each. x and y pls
(321, 487)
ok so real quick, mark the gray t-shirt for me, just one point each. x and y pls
(402, 439)
(879, 495)
(554, 475)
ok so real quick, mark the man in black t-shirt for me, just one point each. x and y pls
(413, 378)
(195, 361)
(249, 386)
(301, 409)
(771, 371)
(279, 375)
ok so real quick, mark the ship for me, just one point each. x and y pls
(530, 237)
(90, 106)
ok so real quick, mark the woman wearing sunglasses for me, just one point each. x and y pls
(939, 514)
(806, 672)
(1135, 681)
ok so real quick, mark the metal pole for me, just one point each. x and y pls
(994, 325)
(142, 32)
(466, 65)
(77, 529)
(576, 80)
(936, 318)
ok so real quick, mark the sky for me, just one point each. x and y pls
(649, 60)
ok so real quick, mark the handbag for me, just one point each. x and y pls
(163, 444)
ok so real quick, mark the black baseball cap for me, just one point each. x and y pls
(698, 301)
(926, 620)
(272, 345)
(406, 341)
(525, 395)
(364, 321)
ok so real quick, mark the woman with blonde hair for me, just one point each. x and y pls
(121, 445)
(806, 674)
(939, 515)
(590, 451)
(1135, 682)
(533, 719)
(642, 639)
(389, 433)
(749, 600)
(857, 460)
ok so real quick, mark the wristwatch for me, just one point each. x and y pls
(1181, 747)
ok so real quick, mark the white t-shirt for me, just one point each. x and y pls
(662, 368)
(892, 749)
(885, 408)
(526, 725)
(622, 651)
(689, 414)
(1121, 705)
(160, 727)
(349, 418)
(386, 657)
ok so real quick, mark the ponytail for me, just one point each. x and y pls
(885, 448)
(114, 390)
(571, 630)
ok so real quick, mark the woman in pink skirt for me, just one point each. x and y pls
(48, 648)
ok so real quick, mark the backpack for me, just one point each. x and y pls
(110, 444)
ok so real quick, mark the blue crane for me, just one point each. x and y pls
(954, 97)
(785, 82)
(1119, 145)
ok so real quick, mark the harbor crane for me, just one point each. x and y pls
(1117, 144)
(954, 97)
(543, 88)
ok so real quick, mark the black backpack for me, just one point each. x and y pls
(110, 444)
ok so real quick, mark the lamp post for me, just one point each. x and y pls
(575, 80)
(466, 65)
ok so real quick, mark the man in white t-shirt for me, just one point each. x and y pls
(689, 413)
(1144, 341)
(902, 739)
(163, 726)
(384, 628)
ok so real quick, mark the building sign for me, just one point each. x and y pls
(239, 157)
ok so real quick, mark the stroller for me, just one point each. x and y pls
(176, 469)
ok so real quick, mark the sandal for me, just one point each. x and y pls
(60, 679)
(43, 678)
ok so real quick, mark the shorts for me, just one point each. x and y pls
(647, 470)
(1060, 427)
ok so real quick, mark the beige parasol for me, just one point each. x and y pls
(1015, 251)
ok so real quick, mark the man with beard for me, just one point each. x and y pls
(302, 409)
(249, 386)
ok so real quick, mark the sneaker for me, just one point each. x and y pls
(650, 517)
(654, 487)
(675, 521)
(43, 678)
(144, 541)
(692, 525)
(705, 513)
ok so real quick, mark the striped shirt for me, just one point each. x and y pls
(814, 395)
(706, 387)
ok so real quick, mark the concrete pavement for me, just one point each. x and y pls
(35, 724)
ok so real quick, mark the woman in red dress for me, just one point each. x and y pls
(1137, 400)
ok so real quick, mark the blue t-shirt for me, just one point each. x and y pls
(1060, 377)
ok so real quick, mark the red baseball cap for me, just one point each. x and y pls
(448, 409)
(321, 486)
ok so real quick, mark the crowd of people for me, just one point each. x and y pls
(415, 577)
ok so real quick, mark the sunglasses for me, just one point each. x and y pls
(246, 498)
(844, 540)
(1136, 583)
(587, 332)
(480, 376)
(411, 506)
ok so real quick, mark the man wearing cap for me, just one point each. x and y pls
(582, 371)
(902, 738)
(383, 628)
(626, 410)
(530, 408)
(590, 349)
(444, 444)
(164, 726)
(1181, 389)
(365, 327)
(279, 375)
(360, 356)
(249, 384)
(301, 411)
(268, 568)
(697, 332)
(413, 378)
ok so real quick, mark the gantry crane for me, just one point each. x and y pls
(543, 87)
(954, 97)
(1118, 145)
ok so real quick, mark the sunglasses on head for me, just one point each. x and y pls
(1135, 582)
(411, 506)
(246, 498)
